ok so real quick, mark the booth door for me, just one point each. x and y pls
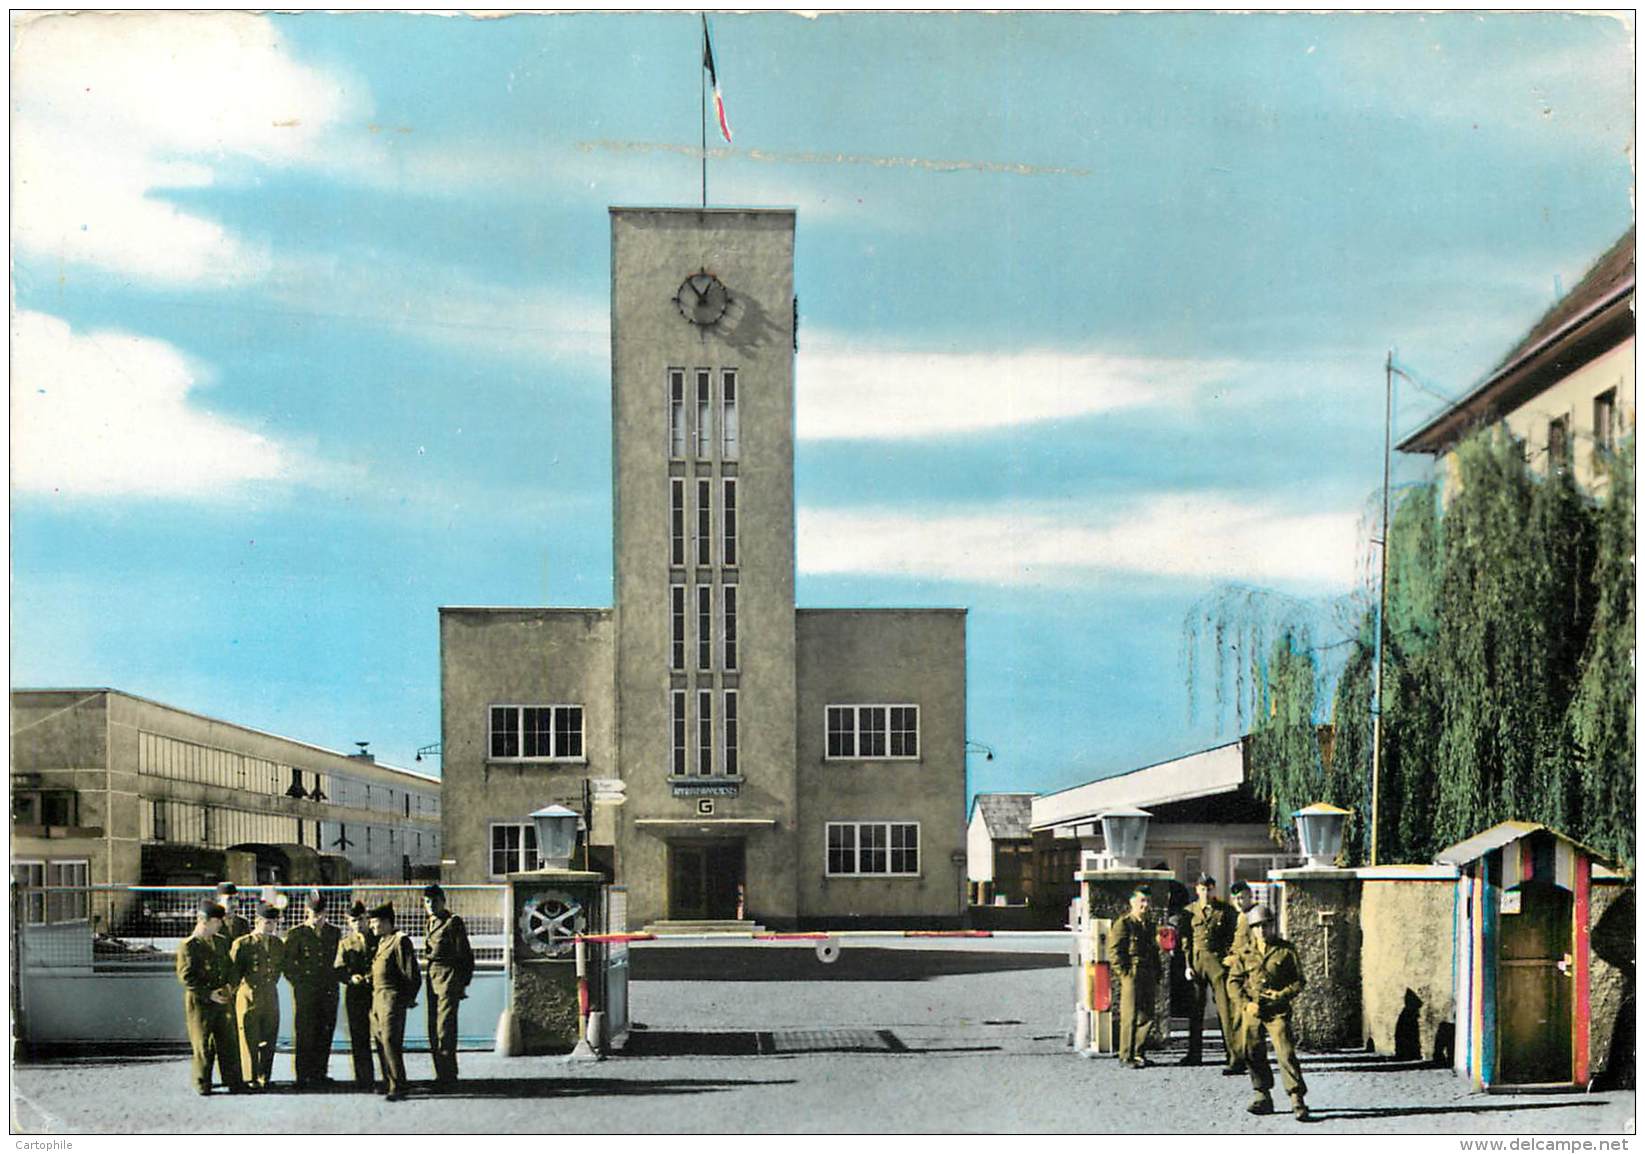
(1533, 992)
(705, 881)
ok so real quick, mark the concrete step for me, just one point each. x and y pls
(666, 928)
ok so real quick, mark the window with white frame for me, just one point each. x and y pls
(890, 732)
(676, 521)
(731, 731)
(513, 848)
(677, 726)
(31, 876)
(705, 532)
(728, 624)
(705, 414)
(705, 628)
(676, 413)
(728, 521)
(66, 898)
(705, 731)
(728, 415)
(873, 848)
(676, 614)
(536, 733)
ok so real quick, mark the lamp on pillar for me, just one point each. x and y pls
(556, 836)
(1124, 834)
(1319, 829)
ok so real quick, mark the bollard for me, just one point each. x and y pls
(582, 1052)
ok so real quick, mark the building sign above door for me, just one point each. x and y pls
(704, 788)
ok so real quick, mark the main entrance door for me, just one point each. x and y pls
(705, 881)
(1534, 988)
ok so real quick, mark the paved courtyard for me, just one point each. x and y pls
(923, 1036)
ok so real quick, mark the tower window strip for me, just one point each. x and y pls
(705, 731)
(705, 414)
(728, 415)
(676, 607)
(729, 621)
(705, 628)
(677, 725)
(705, 532)
(676, 413)
(676, 549)
(728, 521)
(731, 731)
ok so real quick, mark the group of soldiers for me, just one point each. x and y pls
(231, 969)
(1235, 959)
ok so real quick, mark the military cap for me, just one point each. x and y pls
(1239, 888)
(1206, 879)
(357, 910)
(386, 910)
(317, 901)
(1143, 890)
(210, 909)
(433, 890)
(264, 910)
(227, 888)
(1259, 914)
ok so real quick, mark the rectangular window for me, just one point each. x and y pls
(705, 628)
(1559, 445)
(705, 532)
(676, 413)
(513, 848)
(883, 848)
(705, 415)
(705, 731)
(873, 731)
(676, 521)
(730, 626)
(728, 520)
(1605, 421)
(677, 768)
(525, 733)
(676, 614)
(728, 415)
(731, 731)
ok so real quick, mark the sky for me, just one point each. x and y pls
(309, 326)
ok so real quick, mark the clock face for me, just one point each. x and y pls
(702, 299)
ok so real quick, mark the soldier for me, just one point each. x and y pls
(203, 970)
(1244, 900)
(1272, 978)
(1211, 926)
(1135, 951)
(449, 965)
(394, 984)
(311, 952)
(234, 926)
(258, 958)
(353, 969)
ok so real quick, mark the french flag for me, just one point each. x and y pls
(719, 101)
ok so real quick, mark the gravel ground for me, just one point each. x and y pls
(933, 1038)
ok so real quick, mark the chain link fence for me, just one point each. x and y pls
(112, 928)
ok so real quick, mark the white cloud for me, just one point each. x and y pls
(1208, 536)
(109, 414)
(851, 391)
(110, 110)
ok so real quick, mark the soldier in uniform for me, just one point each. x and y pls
(203, 970)
(258, 959)
(449, 965)
(233, 927)
(353, 969)
(394, 985)
(1244, 900)
(1272, 978)
(1135, 951)
(1211, 926)
(311, 952)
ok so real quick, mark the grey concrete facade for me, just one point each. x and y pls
(704, 520)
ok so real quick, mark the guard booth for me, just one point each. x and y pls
(1523, 962)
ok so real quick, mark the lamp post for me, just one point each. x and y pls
(1125, 834)
(1319, 829)
(556, 836)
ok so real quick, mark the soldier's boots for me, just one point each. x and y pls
(1261, 1104)
(1190, 1060)
(1300, 1111)
(1234, 1069)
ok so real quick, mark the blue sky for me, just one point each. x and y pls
(309, 333)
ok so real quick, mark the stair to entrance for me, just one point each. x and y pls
(664, 929)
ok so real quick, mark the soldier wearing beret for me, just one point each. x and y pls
(449, 965)
(1211, 926)
(204, 972)
(1272, 978)
(1244, 902)
(1136, 957)
(352, 967)
(394, 985)
(311, 952)
(258, 959)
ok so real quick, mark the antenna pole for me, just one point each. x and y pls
(702, 117)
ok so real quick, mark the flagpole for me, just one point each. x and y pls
(702, 116)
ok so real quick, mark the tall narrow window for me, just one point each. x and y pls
(677, 724)
(705, 628)
(728, 415)
(676, 413)
(705, 415)
(730, 617)
(676, 612)
(728, 518)
(676, 522)
(705, 532)
(731, 731)
(705, 731)
(1605, 421)
(1559, 445)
